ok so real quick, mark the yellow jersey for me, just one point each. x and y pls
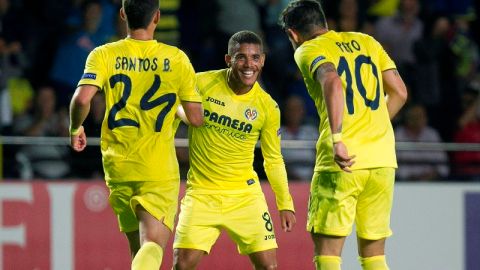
(143, 81)
(366, 131)
(222, 150)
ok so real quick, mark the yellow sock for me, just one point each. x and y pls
(149, 256)
(374, 263)
(327, 262)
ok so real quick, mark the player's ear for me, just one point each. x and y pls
(293, 35)
(156, 17)
(228, 60)
(122, 14)
(262, 59)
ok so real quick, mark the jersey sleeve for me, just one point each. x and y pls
(384, 59)
(188, 90)
(308, 59)
(273, 160)
(95, 70)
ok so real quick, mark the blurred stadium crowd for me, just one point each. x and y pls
(44, 44)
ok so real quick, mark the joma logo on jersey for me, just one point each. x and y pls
(227, 121)
(216, 101)
(251, 114)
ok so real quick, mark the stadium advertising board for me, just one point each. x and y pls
(69, 225)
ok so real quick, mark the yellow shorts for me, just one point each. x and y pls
(160, 199)
(244, 217)
(339, 198)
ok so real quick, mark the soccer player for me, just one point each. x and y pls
(144, 81)
(357, 90)
(223, 190)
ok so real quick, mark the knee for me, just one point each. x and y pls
(184, 261)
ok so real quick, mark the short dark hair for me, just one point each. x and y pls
(139, 12)
(303, 16)
(243, 37)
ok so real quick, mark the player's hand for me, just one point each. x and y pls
(79, 141)
(341, 157)
(288, 220)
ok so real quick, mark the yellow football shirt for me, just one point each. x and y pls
(222, 150)
(367, 131)
(143, 81)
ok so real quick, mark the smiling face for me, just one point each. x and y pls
(246, 63)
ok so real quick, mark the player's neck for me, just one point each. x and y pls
(237, 87)
(140, 34)
(316, 33)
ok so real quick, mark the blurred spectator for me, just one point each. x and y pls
(43, 161)
(16, 91)
(419, 165)
(430, 51)
(349, 16)
(295, 86)
(299, 162)
(73, 50)
(465, 50)
(466, 164)
(435, 82)
(398, 33)
(382, 8)
(6, 113)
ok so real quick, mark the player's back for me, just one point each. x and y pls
(142, 81)
(366, 128)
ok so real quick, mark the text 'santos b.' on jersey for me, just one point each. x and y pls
(143, 83)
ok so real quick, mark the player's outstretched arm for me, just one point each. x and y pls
(191, 113)
(79, 109)
(396, 91)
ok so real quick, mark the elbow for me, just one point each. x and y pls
(403, 95)
(80, 101)
(399, 95)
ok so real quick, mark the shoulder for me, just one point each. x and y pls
(265, 99)
(210, 75)
(208, 79)
(110, 46)
(173, 51)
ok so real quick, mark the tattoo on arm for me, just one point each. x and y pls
(323, 69)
